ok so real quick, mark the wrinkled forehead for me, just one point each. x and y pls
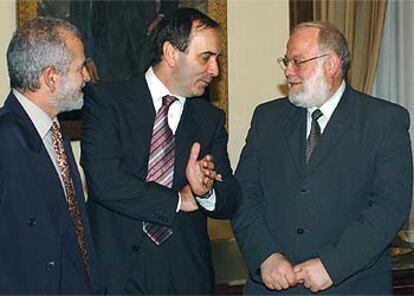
(303, 41)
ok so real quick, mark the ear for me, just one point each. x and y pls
(50, 78)
(332, 65)
(170, 53)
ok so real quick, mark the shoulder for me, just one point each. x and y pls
(12, 131)
(275, 111)
(8, 122)
(276, 105)
(205, 110)
(376, 108)
(115, 92)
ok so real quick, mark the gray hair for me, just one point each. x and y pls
(35, 46)
(330, 38)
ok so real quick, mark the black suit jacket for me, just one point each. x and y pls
(38, 249)
(344, 207)
(116, 136)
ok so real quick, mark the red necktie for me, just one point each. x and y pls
(65, 176)
(161, 164)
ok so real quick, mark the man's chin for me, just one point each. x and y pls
(72, 105)
(199, 92)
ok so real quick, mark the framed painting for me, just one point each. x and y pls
(74, 10)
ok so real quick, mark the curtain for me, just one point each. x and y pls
(362, 23)
(394, 80)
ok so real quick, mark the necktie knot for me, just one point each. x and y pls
(168, 100)
(316, 114)
(55, 127)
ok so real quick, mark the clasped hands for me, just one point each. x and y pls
(278, 274)
(200, 175)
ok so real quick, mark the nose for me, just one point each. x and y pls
(289, 70)
(213, 68)
(85, 74)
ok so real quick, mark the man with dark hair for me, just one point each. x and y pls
(326, 176)
(46, 245)
(156, 164)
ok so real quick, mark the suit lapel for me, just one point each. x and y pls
(339, 123)
(295, 132)
(142, 112)
(184, 137)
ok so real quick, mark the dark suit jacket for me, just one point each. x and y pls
(38, 249)
(344, 207)
(116, 136)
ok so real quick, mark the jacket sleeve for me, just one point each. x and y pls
(252, 234)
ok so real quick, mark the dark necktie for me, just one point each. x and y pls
(315, 134)
(161, 164)
(63, 165)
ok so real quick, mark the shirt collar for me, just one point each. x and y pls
(158, 89)
(40, 119)
(329, 106)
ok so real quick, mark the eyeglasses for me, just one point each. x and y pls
(295, 63)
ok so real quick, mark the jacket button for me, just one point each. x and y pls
(31, 221)
(51, 265)
(135, 248)
(300, 231)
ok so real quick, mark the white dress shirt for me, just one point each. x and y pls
(158, 90)
(327, 110)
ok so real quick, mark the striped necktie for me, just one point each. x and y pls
(161, 164)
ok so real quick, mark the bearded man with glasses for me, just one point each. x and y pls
(326, 175)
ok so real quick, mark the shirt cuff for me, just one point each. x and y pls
(179, 203)
(208, 203)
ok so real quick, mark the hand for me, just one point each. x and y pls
(188, 203)
(313, 275)
(200, 173)
(92, 69)
(277, 272)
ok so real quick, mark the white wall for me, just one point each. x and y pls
(257, 34)
(7, 27)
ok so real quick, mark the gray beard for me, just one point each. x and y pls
(307, 100)
(315, 91)
(72, 104)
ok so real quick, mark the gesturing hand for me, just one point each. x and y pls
(200, 173)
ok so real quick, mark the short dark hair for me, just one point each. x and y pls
(177, 27)
(330, 38)
(36, 45)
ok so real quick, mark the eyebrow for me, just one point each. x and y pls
(211, 53)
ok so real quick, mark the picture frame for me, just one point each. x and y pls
(218, 91)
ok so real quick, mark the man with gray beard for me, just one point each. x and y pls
(326, 175)
(46, 246)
